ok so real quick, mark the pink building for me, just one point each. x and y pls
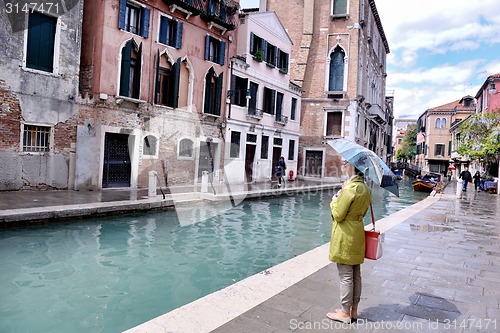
(153, 77)
(488, 98)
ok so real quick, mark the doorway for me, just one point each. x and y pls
(249, 159)
(276, 158)
(117, 167)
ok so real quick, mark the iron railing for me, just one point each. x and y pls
(221, 12)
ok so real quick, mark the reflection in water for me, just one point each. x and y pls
(110, 274)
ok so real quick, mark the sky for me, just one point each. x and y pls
(440, 50)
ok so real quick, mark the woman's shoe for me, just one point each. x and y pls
(354, 314)
(339, 315)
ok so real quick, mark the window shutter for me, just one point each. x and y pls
(233, 89)
(157, 77)
(252, 37)
(222, 53)
(207, 46)
(145, 22)
(178, 37)
(273, 99)
(125, 70)
(286, 61)
(138, 74)
(279, 105)
(174, 85)
(122, 15)
(208, 91)
(264, 49)
(162, 38)
(218, 94)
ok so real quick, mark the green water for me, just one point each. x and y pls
(110, 274)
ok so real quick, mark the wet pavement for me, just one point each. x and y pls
(440, 271)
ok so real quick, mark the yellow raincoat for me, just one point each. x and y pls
(347, 244)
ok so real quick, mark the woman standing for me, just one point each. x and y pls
(477, 181)
(347, 244)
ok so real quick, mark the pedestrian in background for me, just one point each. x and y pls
(280, 170)
(477, 180)
(347, 244)
(466, 178)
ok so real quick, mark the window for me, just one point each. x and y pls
(279, 106)
(167, 82)
(36, 138)
(283, 61)
(264, 148)
(186, 148)
(439, 150)
(235, 144)
(41, 41)
(278, 142)
(149, 146)
(213, 91)
(214, 50)
(130, 77)
(294, 109)
(291, 150)
(170, 32)
(252, 107)
(271, 54)
(339, 7)
(269, 100)
(252, 138)
(334, 124)
(134, 19)
(256, 45)
(438, 122)
(443, 123)
(336, 74)
(239, 93)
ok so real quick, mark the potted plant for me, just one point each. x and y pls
(258, 55)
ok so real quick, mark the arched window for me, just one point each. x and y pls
(130, 70)
(336, 74)
(149, 146)
(438, 122)
(186, 148)
(443, 123)
(213, 92)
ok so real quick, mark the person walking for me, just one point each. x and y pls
(477, 181)
(347, 243)
(280, 170)
(466, 178)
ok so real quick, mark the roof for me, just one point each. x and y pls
(493, 77)
(453, 106)
(379, 25)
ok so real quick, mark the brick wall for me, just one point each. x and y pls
(10, 118)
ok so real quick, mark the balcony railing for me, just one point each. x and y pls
(220, 12)
(281, 119)
(376, 111)
(255, 113)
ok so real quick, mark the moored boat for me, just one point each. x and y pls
(422, 185)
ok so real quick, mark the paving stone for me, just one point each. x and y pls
(428, 313)
(287, 304)
(271, 317)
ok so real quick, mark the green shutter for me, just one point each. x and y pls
(174, 84)
(222, 53)
(339, 7)
(273, 100)
(207, 47)
(125, 69)
(208, 91)
(218, 94)
(137, 74)
(157, 77)
(145, 22)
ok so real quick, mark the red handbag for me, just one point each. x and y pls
(373, 241)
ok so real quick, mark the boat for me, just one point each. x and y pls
(423, 185)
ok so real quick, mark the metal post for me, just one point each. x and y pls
(152, 184)
(459, 188)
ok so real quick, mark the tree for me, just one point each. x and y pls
(480, 136)
(408, 149)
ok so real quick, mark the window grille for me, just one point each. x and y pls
(36, 138)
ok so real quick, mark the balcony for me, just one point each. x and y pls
(281, 119)
(218, 13)
(255, 113)
(376, 112)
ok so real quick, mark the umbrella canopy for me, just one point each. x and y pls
(368, 162)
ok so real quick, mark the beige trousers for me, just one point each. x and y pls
(350, 286)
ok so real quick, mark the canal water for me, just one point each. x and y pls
(110, 274)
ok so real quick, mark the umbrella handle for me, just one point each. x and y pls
(373, 216)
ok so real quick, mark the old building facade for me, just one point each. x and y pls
(39, 64)
(263, 117)
(434, 140)
(152, 83)
(339, 60)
